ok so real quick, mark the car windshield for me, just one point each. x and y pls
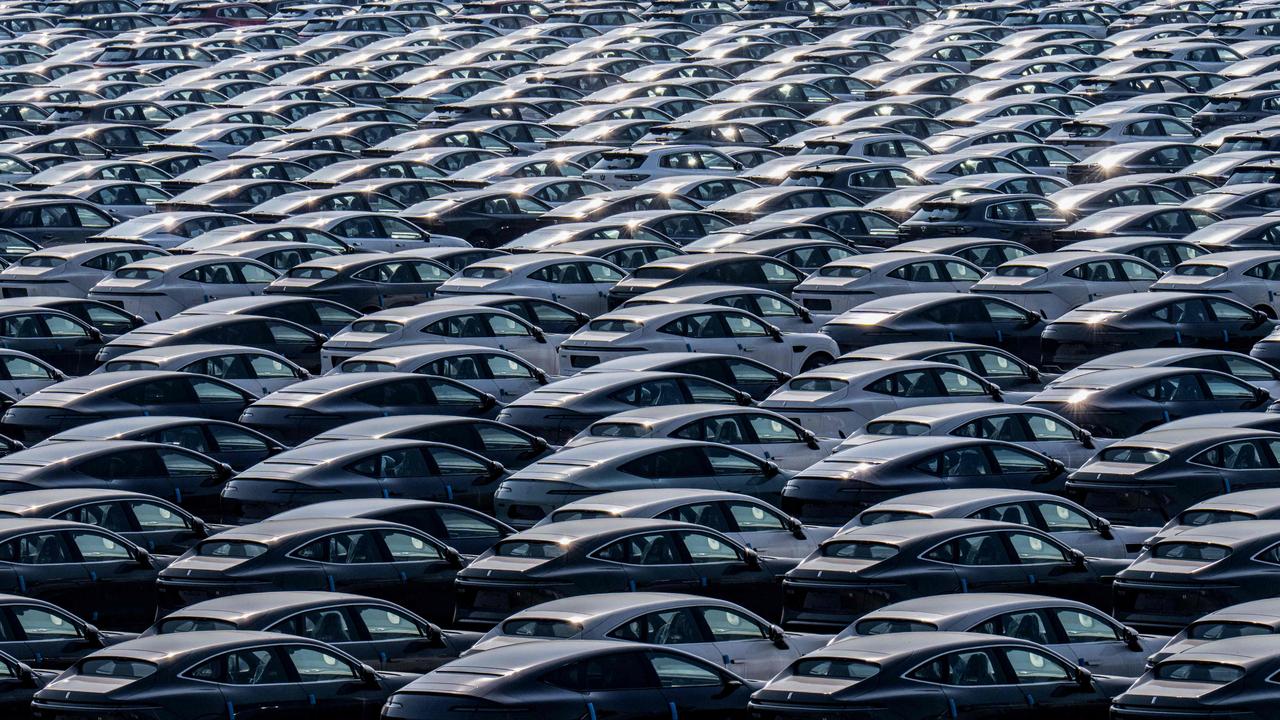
(1190, 551)
(854, 550)
(834, 668)
(117, 668)
(1219, 630)
(1134, 455)
(537, 549)
(230, 549)
(1198, 672)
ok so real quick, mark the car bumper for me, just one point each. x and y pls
(1169, 607)
(824, 607)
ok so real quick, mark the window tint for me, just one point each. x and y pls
(315, 665)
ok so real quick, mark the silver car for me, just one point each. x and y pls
(759, 432)
(845, 284)
(1055, 283)
(579, 282)
(754, 523)
(1250, 276)
(160, 287)
(502, 374)
(258, 371)
(774, 308)
(1248, 369)
(1071, 523)
(533, 493)
(716, 630)
(1033, 428)
(70, 270)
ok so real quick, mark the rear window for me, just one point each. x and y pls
(117, 668)
(1194, 552)
(893, 427)
(887, 626)
(1198, 672)
(181, 625)
(1199, 270)
(656, 273)
(1023, 271)
(540, 628)
(621, 162)
(878, 517)
(138, 274)
(1226, 630)
(230, 549)
(614, 326)
(937, 213)
(844, 271)
(375, 326)
(617, 430)
(834, 668)
(1134, 455)
(126, 365)
(1197, 518)
(568, 515)
(529, 549)
(485, 273)
(859, 550)
(306, 273)
(826, 385)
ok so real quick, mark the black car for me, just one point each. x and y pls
(752, 376)
(906, 676)
(146, 520)
(366, 557)
(218, 440)
(323, 317)
(937, 316)
(579, 557)
(212, 674)
(59, 338)
(869, 567)
(365, 281)
(1234, 676)
(707, 269)
(1152, 319)
(305, 409)
(468, 531)
(511, 446)
(1120, 403)
(290, 340)
(94, 573)
(43, 635)
(1027, 219)
(485, 218)
(18, 684)
(377, 632)
(1207, 568)
(1153, 477)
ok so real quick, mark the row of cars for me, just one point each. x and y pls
(411, 359)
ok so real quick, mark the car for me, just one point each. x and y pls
(69, 270)
(309, 407)
(840, 286)
(1028, 219)
(866, 568)
(671, 327)
(467, 530)
(43, 635)
(365, 281)
(289, 340)
(614, 555)
(1072, 630)
(318, 315)
(1159, 319)
(1212, 567)
(259, 372)
(549, 680)
(1254, 617)
(377, 632)
(774, 308)
(1016, 379)
(376, 558)
(159, 287)
(717, 631)
(79, 401)
(1124, 402)
(497, 441)
(760, 432)
(703, 269)
(1229, 667)
(504, 375)
(260, 671)
(1054, 283)
(928, 673)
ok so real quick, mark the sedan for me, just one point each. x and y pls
(580, 283)
(464, 529)
(187, 675)
(69, 270)
(44, 635)
(1231, 676)
(1159, 319)
(367, 282)
(147, 521)
(1254, 617)
(159, 287)
(840, 286)
(255, 371)
(497, 441)
(707, 269)
(1054, 283)
(614, 555)
(379, 559)
(869, 567)
(377, 632)
(715, 630)
(1073, 630)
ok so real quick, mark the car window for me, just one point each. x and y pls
(344, 548)
(704, 548)
(727, 625)
(37, 623)
(651, 549)
(706, 514)
(1030, 666)
(751, 517)
(385, 624)
(331, 625)
(966, 669)
(316, 665)
(678, 672)
(96, 547)
(677, 626)
(1082, 626)
(1031, 549)
(1028, 625)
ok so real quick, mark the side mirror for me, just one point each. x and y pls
(94, 636)
(1033, 374)
(454, 557)
(226, 471)
(369, 676)
(811, 440)
(752, 559)
(1058, 468)
(540, 443)
(144, 558)
(28, 676)
(745, 399)
(1132, 639)
(539, 335)
(1084, 678)
(488, 401)
(778, 637)
(201, 527)
(996, 393)
(771, 469)
(805, 315)
(775, 333)
(95, 334)
(797, 528)
(1104, 529)
(496, 470)
(540, 376)
(1086, 439)
(1077, 559)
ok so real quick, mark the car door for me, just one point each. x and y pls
(1051, 689)
(726, 571)
(743, 642)
(1238, 465)
(354, 562)
(464, 477)
(161, 528)
(1051, 570)
(653, 562)
(507, 377)
(238, 447)
(736, 471)
(121, 579)
(27, 332)
(984, 562)
(617, 685)
(976, 684)
(195, 482)
(518, 337)
(23, 376)
(761, 343)
(679, 627)
(43, 565)
(422, 574)
(695, 690)
(393, 639)
(1074, 529)
(256, 682)
(762, 529)
(334, 684)
(51, 639)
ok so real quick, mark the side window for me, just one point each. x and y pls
(247, 667)
(37, 549)
(1058, 517)
(1030, 625)
(329, 625)
(1032, 549)
(316, 665)
(96, 547)
(654, 549)
(678, 672)
(1016, 460)
(383, 624)
(966, 669)
(667, 627)
(1030, 666)
(1043, 427)
(751, 517)
(768, 430)
(40, 624)
(403, 547)
(151, 516)
(726, 625)
(1082, 626)
(704, 548)
(707, 514)
(959, 384)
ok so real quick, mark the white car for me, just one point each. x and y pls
(844, 284)
(157, 288)
(1250, 276)
(167, 230)
(258, 371)
(1054, 283)
(675, 327)
(69, 270)
(760, 432)
(774, 308)
(620, 169)
(502, 374)
(838, 400)
(441, 323)
(581, 283)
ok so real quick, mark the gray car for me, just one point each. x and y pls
(502, 374)
(512, 447)
(1256, 617)
(536, 491)
(1036, 429)
(70, 270)
(1053, 283)
(1072, 524)
(754, 523)
(759, 432)
(1243, 367)
(258, 371)
(774, 308)
(159, 287)
(716, 630)
(1016, 379)
(1072, 629)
